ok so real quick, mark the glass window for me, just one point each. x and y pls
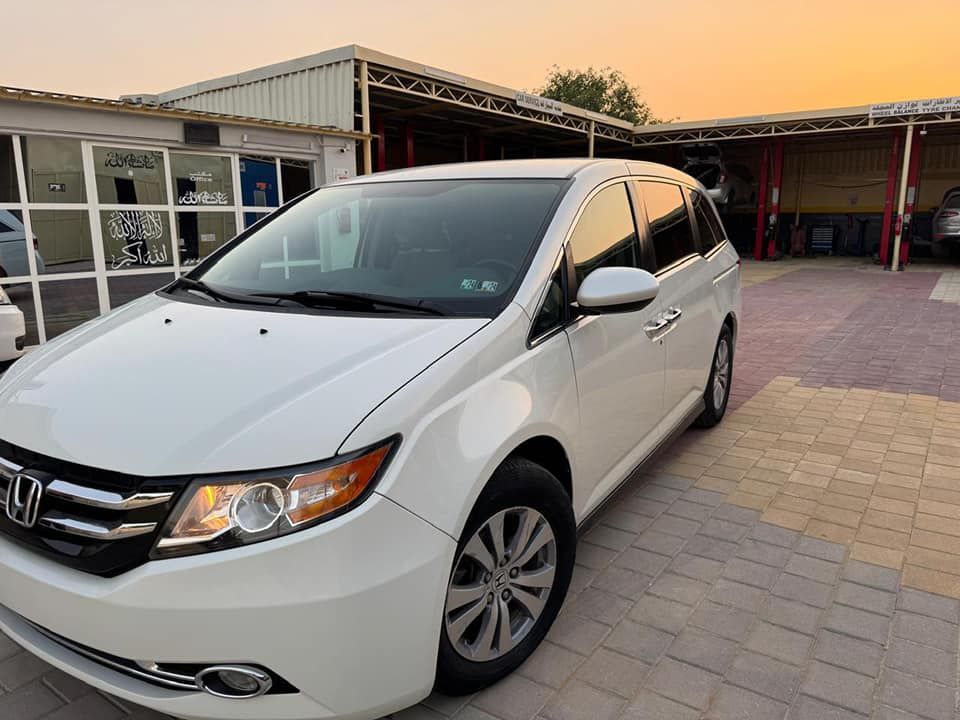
(258, 182)
(9, 188)
(62, 241)
(249, 218)
(605, 235)
(130, 176)
(295, 175)
(125, 288)
(551, 312)
(711, 233)
(462, 243)
(136, 238)
(201, 179)
(200, 233)
(669, 223)
(67, 304)
(21, 295)
(13, 245)
(54, 168)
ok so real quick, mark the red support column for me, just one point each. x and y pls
(762, 204)
(913, 190)
(408, 144)
(887, 229)
(381, 145)
(481, 148)
(775, 199)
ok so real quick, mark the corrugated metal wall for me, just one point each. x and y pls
(317, 96)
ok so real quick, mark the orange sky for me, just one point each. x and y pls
(691, 58)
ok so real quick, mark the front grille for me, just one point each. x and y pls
(93, 520)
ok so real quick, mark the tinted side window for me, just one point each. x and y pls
(711, 234)
(669, 223)
(605, 236)
(551, 312)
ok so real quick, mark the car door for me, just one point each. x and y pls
(618, 358)
(686, 295)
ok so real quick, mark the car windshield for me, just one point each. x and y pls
(953, 202)
(706, 173)
(459, 245)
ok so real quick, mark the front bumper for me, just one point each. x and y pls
(349, 613)
(12, 331)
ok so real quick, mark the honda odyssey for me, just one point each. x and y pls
(343, 461)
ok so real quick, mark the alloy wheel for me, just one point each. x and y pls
(721, 373)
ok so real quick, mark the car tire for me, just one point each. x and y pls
(531, 507)
(717, 394)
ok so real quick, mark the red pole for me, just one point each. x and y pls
(913, 190)
(481, 148)
(762, 204)
(381, 145)
(408, 143)
(887, 228)
(775, 198)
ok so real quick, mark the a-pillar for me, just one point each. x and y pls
(762, 203)
(886, 229)
(775, 192)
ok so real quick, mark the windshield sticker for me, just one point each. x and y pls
(468, 284)
(489, 286)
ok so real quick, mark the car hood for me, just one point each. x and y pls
(168, 388)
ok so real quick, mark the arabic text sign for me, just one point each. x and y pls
(540, 104)
(916, 107)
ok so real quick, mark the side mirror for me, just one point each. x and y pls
(616, 289)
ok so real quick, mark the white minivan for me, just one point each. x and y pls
(343, 462)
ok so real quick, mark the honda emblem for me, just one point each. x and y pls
(23, 500)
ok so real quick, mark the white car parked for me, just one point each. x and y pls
(345, 460)
(12, 329)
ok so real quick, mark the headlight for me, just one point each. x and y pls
(223, 512)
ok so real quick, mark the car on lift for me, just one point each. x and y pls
(343, 461)
(727, 184)
(946, 225)
(13, 248)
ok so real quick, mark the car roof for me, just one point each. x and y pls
(552, 168)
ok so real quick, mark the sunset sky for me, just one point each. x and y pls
(691, 58)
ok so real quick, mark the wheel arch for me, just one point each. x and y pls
(549, 453)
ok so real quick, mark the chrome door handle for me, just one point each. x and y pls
(653, 328)
(673, 314)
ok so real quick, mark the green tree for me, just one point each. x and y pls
(605, 90)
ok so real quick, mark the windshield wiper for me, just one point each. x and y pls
(217, 294)
(331, 298)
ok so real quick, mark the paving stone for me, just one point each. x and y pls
(917, 695)
(658, 542)
(615, 672)
(581, 579)
(609, 537)
(704, 497)
(513, 698)
(446, 705)
(840, 687)
(645, 506)
(689, 510)
(600, 606)
(858, 623)
(811, 592)
(698, 568)
(551, 665)
(734, 703)
(871, 575)
(709, 547)
(703, 649)
(625, 520)
(764, 553)
(593, 556)
(641, 561)
(578, 634)
(791, 614)
(28, 703)
(813, 568)
(884, 712)
(681, 589)
(808, 708)
(736, 514)
(779, 643)
(765, 532)
(8, 648)
(861, 656)
(684, 683)
(924, 603)
(650, 706)
(866, 598)
(724, 529)
(925, 630)
(638, 641)
(21, 669)
(745, 597)
(92, 706)
(751, 573)
(673, 525)
(418, 712)
(833, 552)
(579, 701)
(923, 660)
(661, 613)
(672, 481)
(623, 582)
(765, 675)
(660, 493)
(724, 620)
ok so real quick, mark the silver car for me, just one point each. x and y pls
(727, 184)
(13, 249)
(946, 225)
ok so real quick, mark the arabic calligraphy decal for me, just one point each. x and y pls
(203, 197)
(139, 161)
(139, 231)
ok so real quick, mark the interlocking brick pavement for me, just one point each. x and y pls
(800, 561)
